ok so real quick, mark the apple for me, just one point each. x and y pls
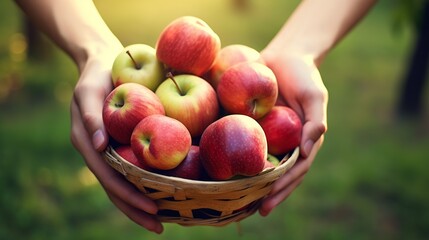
(126, 152)
(227, 57)
(273, 159)
(138, 63)
(271, 162)
(191, 100)
(125, 106)
(161, 142)
(248, 88)
(283, 129)
(188, 45)
(234, 145)
(190, 168)
(268, 165)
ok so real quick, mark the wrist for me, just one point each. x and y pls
(294, 48)
(315, 27)
(273, 56)
(103, 50)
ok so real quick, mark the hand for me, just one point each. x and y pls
(89, 137)
(301, 87)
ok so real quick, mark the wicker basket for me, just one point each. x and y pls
(209, 203)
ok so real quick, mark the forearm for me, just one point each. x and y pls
(316, 26)
(74, 25)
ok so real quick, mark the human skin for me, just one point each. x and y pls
(294, 55)
(77, 28)
(300, 47)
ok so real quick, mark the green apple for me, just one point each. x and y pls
(138, 63)
(271, 162)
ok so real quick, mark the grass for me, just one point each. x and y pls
(369, 180)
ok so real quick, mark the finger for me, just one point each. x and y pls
(150, 222)
(305, 93)
(311, 133)
(300, 168)
(112, 181)
(273, 201)
(89, 96)
(289, 181)
(283, 187)
(315, 120)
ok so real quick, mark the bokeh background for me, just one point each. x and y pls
(369, 181)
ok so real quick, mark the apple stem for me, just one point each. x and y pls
(170, 76)
(137, 66)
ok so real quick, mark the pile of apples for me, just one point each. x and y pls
(189, 108)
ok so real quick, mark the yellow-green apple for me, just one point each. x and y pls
(234, 145)
(227, 57)
(283, 129)
(273, 159)
(138, 63)
(126, 152)
(248, 88)
(188, 45)
(189, 99)
(190, 168)
(125, 106)
(160, 142)
(271, 162)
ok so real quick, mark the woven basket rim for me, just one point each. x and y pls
(266, 175)
(228, 197)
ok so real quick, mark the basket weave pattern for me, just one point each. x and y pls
(210, 203)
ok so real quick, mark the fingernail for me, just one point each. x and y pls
(308, 146)
(98, 139)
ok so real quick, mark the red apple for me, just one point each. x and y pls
(190, 168)
(283, 129)
(248, 88)
(234, 145)
(126, 152)
(160, 142)
(127, 105)
(188, 45)
(191, 100)
(227, 57)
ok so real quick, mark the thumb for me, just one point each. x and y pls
(89, 96)
(315, 122)
(311, 132)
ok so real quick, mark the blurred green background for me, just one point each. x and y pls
(369, 181)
